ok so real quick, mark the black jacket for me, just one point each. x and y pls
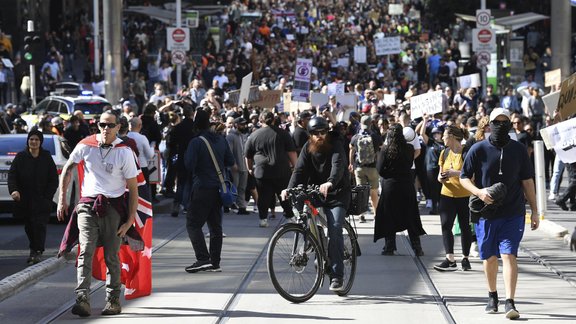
(36, 179)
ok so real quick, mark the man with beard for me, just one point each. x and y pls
(501, 160)
(322, 162)
(236, 138)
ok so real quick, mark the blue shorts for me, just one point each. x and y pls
(499, 236)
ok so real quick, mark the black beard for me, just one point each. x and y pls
(323, 146)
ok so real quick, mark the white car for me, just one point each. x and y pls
(11, 144)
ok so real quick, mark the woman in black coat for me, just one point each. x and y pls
(32, 182)
(397, 207)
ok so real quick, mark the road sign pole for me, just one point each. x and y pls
(484, 69)
(32, 71)
(178, 25)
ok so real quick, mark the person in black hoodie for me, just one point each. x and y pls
(323, 162)
(153, 133)
(32, 182)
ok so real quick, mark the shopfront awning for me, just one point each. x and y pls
(510, 23)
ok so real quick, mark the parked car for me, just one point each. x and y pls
(11, 144)
(64, 105)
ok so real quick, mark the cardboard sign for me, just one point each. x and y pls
(395, 9)
(268, 98)
(253, 95)
(552, 78)
(469, 81)
(245, 89)
(155, 176)
(551, 102)
(360, 54)
(562, 138)
(387, 45)
(427, 103)
(297, 106)
(567, 100)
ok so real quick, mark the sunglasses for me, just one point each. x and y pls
(109, 125)
(317, 133)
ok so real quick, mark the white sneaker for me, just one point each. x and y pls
(264, 222)
(428, 203)
(223, 234)
(552, 196)
(474, 250)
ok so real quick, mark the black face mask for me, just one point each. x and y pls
(499, 132)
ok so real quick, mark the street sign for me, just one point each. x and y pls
(483, 18)
(483, 39)
(483, 58)
(177, 39)
(178, 57)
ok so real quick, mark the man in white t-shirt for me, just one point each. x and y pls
(109, 168)
(145, 151)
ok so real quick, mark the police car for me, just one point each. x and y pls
(63, 104)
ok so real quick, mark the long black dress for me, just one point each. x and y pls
(397, 207)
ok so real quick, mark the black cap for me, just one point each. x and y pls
(240, 120)
(305, 114)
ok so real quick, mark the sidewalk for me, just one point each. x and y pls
(389, 288)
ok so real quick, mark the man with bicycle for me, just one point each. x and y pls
(323, 162)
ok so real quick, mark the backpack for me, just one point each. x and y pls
(366, 154)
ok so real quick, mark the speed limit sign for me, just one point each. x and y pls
(483, 18)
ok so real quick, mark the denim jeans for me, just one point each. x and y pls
(336, 217)
(557, 171)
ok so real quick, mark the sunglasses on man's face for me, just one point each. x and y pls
(317, 133)
(109, 125)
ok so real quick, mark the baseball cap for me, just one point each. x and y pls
(221, 69)
(305, 114)
(240, 120)
(126, 103)
(56, 121)
(365, 122)
(499, 112)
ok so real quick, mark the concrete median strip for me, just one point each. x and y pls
(18, 281)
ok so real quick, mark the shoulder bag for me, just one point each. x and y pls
(227, 190)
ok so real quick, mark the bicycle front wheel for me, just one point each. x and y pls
(350, 255)
(295, 263)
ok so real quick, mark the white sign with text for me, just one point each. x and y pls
(427, 103)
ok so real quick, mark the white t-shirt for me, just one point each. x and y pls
(144, 149)
(105, 170)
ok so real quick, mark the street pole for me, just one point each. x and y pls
(32, 71)
(484, 69)
(561, 31)
(112, 13)
(540, 178)
(178, 25)
(96, 38)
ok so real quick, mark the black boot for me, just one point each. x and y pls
(416, 246)
(390, 246)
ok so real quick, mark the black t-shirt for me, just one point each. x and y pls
(524, 138)
(269, 147)
(300, 137)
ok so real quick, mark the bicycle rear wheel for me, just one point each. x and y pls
(295, 263)
(350, 249)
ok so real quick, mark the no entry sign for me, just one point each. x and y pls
(483, 39)
(177, 39)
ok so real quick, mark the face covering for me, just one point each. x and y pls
(499, 133)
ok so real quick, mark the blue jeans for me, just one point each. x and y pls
(557, 171)
(336, 217)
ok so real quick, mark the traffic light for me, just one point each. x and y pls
(32, 51)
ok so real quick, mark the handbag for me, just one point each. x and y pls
(227, 190)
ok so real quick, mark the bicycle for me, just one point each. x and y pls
(297, 256)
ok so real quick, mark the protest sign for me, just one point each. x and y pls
(343, 62)
(427, 103)
(562, 138)
(245, 89)
(395, 9)
(387, 45)
(297, 106)
(567, 100)
(336, 88)
(469, 81)
(360, 54)
(389, 99)
(347, 100)
(268, 98)
(552, 78)
(339, 50)
(155, 174)
(253, 95)
(318, 99)
(551, 102)
(301, 89)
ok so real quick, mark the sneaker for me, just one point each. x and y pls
(561, 204)
(446, 265)
(199, 266)
(510, 309)
(362, 219)
(264, 222)
(112, 306)
(466, 265)
(215, 268)
(82, 306)
(552, 196)
(30, 260)
(242, 211)
(336, 284)
(37, 257)
(208, 234)
(474, 250)
(428, 203)
(492, 306)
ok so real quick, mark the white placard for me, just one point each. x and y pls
(551, 102)
(395, 9)
(336, 88)
(562, 137)
(389, 99)
(552, 78)
(428, 103)
(360, 54)
(347, 100)
(343, 62)
(387, 45)
(155, 174)
(469, 81)
(301, 89)
(245, 88)
(318, 99)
